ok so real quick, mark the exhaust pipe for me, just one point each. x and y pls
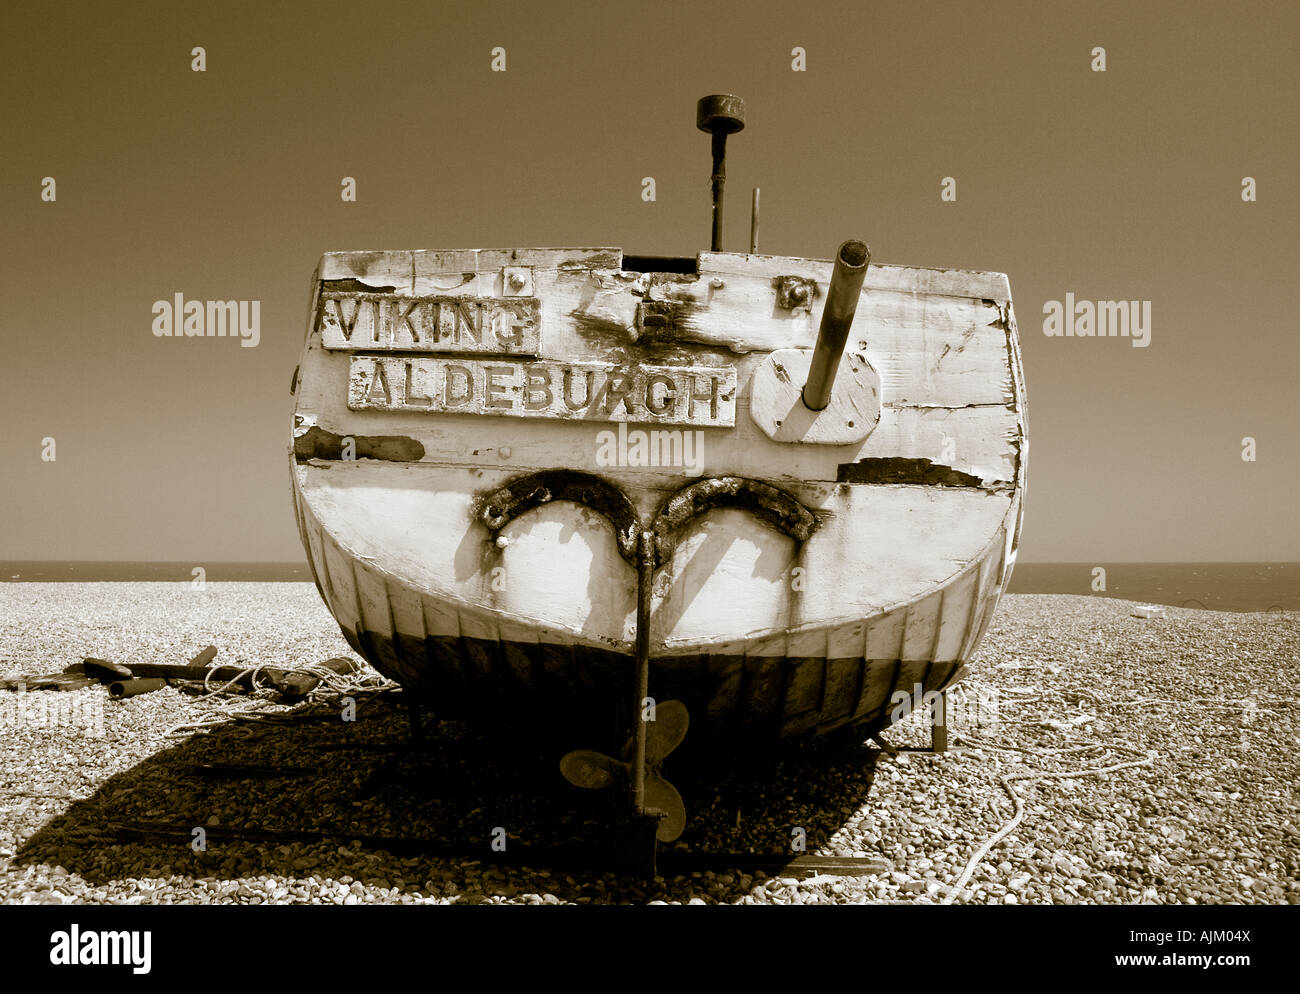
(841, 304)
(133, 688)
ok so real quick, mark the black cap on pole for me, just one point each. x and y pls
(721, 114)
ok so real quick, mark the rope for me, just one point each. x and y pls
(332, 684)
(1102, 701)
(1016, 800)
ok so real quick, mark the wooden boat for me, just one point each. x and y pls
(482, 437)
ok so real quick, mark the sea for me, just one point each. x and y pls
(1211, 586)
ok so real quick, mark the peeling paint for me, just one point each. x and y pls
(597, 260)
(352, 285)
(900, 470)
(600, 330)
(316, 443)
(662, 320)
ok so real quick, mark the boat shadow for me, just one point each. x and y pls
(309, 787)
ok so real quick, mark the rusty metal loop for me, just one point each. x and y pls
(523, 494)
(776, 507)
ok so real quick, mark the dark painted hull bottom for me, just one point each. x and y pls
(578, 693)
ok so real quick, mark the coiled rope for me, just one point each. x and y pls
(320, 699)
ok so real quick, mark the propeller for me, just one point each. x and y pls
(593, 770)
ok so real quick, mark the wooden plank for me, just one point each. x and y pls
(443, 637)
(846, 672)
(396, 267)
(519, 648)
(807, 681)
(316, 551)
(480, 644)
(880, 276)
(376, 614)
(843, 680)
(338, 564)
(885, 635)
(911, 674)
(982, 441)
(762, 688)
(922, 624)
(724, 674)
(955, 617)
(877, 685)
(984, 588)
(411, 269)
(407, 611)
(939, 724)
(970, 440)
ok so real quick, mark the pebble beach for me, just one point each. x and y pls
(1095, 758)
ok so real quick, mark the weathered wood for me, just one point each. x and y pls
(777, 405)
(421, 271)
(881, 276)
(183, 671)
(104, 670)
(939, 724)
(980, 441)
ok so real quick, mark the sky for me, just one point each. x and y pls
(225, 184)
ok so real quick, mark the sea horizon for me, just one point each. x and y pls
(1211, 585)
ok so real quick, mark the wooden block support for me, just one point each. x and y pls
(939, 723)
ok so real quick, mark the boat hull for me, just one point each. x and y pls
(762, 635)
(480, 665)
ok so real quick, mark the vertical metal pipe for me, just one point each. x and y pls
(719, 180)
(645, 585)
(837, 317)
(753, 225)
